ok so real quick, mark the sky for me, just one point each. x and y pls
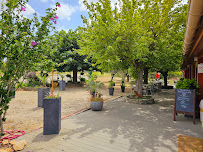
(69, 13)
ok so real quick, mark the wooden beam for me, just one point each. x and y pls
(197, 42)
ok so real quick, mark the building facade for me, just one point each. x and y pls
(192, 64)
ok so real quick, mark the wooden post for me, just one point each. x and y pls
(194, 107)
(52, 89)
(175, 107)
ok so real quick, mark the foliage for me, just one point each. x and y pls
(52, 96)
(62, 76)
(92, 85)
(174, 74)
(185, 83)
(65, 55)
(22, 46)
(134, 34)
(33, 82)
(111, 84)
(122, 83)
(82, 79)
(167, 33)
(97, 97)
(43, 80)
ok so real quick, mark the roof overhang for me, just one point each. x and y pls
(193, 41)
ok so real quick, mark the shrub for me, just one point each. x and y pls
(111, 84)
(82, 79)
(187, 84)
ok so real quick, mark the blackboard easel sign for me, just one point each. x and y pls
(184, 102)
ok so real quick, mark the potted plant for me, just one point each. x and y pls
(52, 113)
(96, 99)
(43, 90)
(62, 84)
(90, 85)
(96, 103)
(111, 88)
(122, 86)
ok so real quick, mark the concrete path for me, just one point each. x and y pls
(120, 127)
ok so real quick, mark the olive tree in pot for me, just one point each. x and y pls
(90, 85)
(96, 103)
(42, 91)
(52, 113)
(111, 88)
(62, 84)
(122, 86)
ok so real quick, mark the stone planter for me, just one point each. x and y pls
(111, 91)
(96, 105)
(42, 93)
(52, 116)
(143, 100)
(62, 85)
(122, 88)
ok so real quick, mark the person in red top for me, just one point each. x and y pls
(158, 76)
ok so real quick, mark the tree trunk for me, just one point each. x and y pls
(146, 71)
(128, 78)
(1, 123)
(112, 75)
(165, 74)
(139, 82)
(75, 74)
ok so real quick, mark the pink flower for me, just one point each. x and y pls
(34, 43)
(51, 18)
(55, 22)
(56, 16)
(28, 37)
(59, 5)
(22, 8)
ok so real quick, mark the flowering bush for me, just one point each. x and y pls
(22, 46)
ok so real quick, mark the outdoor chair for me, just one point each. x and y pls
(146, 90)
(151, 88)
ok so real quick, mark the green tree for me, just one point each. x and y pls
(115, 37)
(128, 36)
(170, 43)
(21, 43)
(65, 55)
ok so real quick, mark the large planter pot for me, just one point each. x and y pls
(52, 116)
(42, 93)
(122, 88)
(111, 91)
(62, 85)
(96, 105)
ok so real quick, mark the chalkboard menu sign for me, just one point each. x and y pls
(185, 102)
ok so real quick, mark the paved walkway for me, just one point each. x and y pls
(120, 127)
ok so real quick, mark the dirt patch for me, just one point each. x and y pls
(24, 114)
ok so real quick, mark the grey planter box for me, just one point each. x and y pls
(96, 105)
(62, 85)
(122, 88)
(111, 91)
(42, 93)
(52, 116)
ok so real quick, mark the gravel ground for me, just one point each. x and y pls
(24, 113)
